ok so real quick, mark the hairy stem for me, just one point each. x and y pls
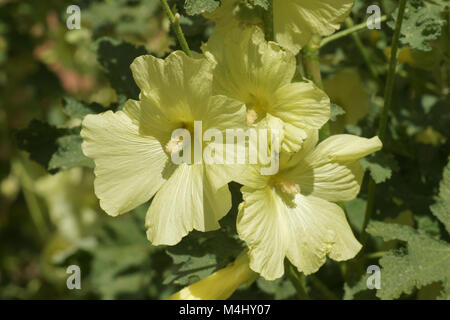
(348, 31)
(384, 116)
(311, 65)
(362, 50)
(175, 21)
(320, 286)
(298, 280)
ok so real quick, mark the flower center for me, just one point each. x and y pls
(256, 110)
(287, 189)
(175, 145)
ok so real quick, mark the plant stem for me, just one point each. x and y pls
(362, 50)
(175, 21)
(349, 30)
(312, 71)
(297, 279)
(376, 255)
(384, 116)
(311, 61)
(319, 285)
(268, 22)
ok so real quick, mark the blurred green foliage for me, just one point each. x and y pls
(50, 218)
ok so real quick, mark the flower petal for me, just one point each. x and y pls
(295, 21)
(305, 231)
(248, 67)
(318, 228)
(332, 171)
(263, 226)
(128, 166)
(346, 147)
(303, 106)
(224, 113)
(177, 82)
(186, 201)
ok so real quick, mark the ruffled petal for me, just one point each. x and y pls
(345, 148)
(304, 231)
(187, 201)
(318, 228)
(301, 106)
(332, 171)
(263, 226)
(295, 21)
(179, 84)
(249, 68)
(128, 165)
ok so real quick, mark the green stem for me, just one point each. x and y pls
(384, 116)
(268, 22)
(311, 61)
(362, 50)
(376, 255)
(311, 64)
(319, 285)
(349, 30)
(298, 281)
(175, 21)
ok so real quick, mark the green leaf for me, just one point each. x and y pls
(422, 23)
(355, 210)
(54, 148)
(350, 292)
(336, 111)
(194, 7)
(262, 3)
(428, 225)
(69, 154)
(425, 261)
(200, 254)
(441, 209)
(115, 57)
(78, 109)
(124, 263)
(281, 288)
(380, 166)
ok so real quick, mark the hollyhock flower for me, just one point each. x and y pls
(293, 213)
(296, 21)
(133, 148)
(260, 74)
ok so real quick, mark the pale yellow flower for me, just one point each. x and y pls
(132, 148)
(221, 284)
(292, 214)
(296, 21)
(260, 74)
